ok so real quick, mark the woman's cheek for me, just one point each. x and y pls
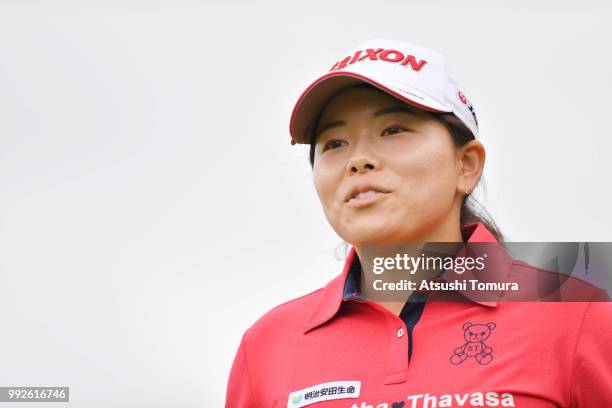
(326, 189)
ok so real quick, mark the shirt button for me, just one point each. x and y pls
(400, 332)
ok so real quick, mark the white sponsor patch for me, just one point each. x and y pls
(324, 392)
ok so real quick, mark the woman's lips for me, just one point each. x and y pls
(366, 198)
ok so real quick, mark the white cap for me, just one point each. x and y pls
(416, 75)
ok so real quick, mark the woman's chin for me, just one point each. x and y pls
(358, 234)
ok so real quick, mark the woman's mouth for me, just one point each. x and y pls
(365, 198)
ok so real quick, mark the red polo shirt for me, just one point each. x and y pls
(331, 349)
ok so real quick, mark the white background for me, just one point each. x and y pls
(152, 207)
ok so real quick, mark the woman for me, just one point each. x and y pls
(395, 155)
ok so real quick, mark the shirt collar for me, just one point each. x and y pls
(346, 285)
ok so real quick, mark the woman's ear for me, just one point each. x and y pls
(471, 159)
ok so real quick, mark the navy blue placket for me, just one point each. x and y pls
(411, 312)
(352, 286)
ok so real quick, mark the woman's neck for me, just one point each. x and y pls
(402, 254)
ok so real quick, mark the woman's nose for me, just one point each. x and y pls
(361, 165)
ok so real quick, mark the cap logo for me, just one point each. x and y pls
(465, 101)
(380, 54)
(462, 97)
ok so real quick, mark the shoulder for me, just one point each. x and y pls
(541, 284)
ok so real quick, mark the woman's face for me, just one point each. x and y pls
(401, 159)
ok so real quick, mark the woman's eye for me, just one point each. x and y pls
(394, 129)
(332, 144)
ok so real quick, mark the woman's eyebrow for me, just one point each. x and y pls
(328, 125)
(380, 112)
(394, 109)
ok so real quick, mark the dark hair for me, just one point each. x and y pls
(471, 210)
